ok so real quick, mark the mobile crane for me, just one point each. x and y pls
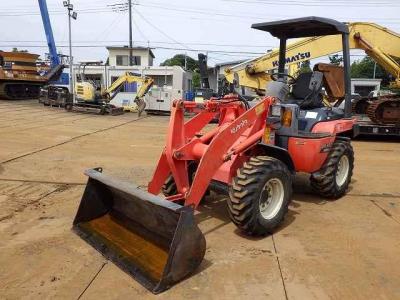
(56, 92)
(381, 44)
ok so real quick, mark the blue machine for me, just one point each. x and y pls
(55, 60)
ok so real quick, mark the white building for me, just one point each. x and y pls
(364, 86)
(169, 82)
(141, 56)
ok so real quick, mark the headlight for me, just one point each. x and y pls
(286, 119)
(276, 111)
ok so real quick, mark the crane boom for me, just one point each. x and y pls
(380, 43)
(54, 58)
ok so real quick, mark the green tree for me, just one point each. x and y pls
(304, 67)
(364, 68)
(179, 60)
(196, 79)
(335, 59)
(16, 50)
(191, 63)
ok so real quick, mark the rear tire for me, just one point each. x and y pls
(68, 107)
(260, 195)
(333, 179)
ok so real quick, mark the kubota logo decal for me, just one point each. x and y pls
(294, 58)
(239, 126)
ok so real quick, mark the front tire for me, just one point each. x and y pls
(68, 107)
(333, 179)
(169, 187)
(260, 195)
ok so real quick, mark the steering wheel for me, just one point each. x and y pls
(275, 77)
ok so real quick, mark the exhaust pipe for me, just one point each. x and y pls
(154, 240)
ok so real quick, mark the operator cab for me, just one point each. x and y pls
(305, 91)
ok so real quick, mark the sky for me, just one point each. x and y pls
(219, 27)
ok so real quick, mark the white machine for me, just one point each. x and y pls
(159, 99)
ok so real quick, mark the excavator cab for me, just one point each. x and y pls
(305, 90)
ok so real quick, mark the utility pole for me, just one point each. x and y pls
(185, 61)
(130, 33)
(71, 14)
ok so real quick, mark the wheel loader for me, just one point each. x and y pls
(254, 152)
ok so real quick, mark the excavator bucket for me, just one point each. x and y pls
(154, 240)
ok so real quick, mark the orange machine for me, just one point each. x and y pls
(20, 77)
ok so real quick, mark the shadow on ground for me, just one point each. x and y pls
(214, 206)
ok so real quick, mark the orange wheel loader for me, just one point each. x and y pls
(254, 152)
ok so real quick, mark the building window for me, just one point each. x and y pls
(136, 61)
(161, 80)
(122, 60)
(125, 87)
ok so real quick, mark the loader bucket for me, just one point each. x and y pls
(154, 240)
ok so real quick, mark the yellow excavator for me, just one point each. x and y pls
(91, 98)
(380, 43)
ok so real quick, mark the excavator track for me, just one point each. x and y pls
(359, 106)
(19, 90)
(385, 110)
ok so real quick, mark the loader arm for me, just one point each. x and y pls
(212, 150)
(380, 43)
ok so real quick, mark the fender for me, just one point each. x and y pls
(334, 127)
(343, 138)
(278, 153)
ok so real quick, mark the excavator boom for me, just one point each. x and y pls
(128, 77)
(380, 43)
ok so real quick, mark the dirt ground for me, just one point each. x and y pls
(346, 249)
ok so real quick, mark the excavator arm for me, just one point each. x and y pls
(385, 60)
(382, 44)
(146, 84)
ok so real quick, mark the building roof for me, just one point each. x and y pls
(234, 62)
(133, 49)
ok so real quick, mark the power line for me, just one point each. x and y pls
(139, 30)
(105, 32)
(220, 52)
(168, 48)
(160, 31)
(313, 4)
(107, 9)
(146, 41)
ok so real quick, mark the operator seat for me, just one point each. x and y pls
(306, 92)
